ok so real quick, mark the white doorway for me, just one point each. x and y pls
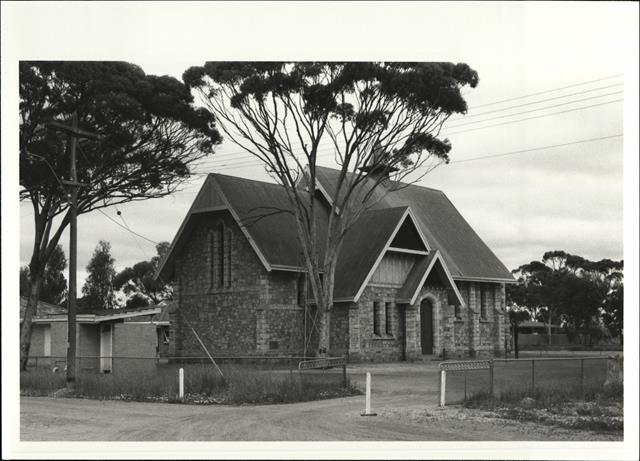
(106, 347)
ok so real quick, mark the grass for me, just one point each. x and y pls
(595, 407)
(203, 385)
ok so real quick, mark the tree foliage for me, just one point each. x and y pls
(573, 290)
(54, 284)
(98, 288)
(380, 120)
(139, 284)
(151, 133)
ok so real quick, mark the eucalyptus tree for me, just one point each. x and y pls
(151, 136)
(381, 122)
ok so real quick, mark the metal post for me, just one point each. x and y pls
(181, 383)
(443, 386)
(533, 376)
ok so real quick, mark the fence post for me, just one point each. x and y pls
(181, 383)
(465, 385)
(533, 376)
(582, 376)
(491, 378)
(443, 387)
(367, 398)
(344, 375)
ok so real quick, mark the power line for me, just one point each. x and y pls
(537, 116)
(128, 230)
(581, 141)
(465, 117)
(133, 234)
(252, 162)
(546, 91)
(536, 110)
(324, 153)
(512, 99)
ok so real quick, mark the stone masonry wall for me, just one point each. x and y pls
(256, 312)
(364, 344)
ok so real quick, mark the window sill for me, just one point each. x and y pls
(383, 338)
(485, 321)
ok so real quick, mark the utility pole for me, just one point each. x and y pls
(73, 184)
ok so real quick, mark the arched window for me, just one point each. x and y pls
(483, 302)
(302, 289)
(219, 262)
(220, 256)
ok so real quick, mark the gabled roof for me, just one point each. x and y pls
(262, 211)
(363, 247)
(463, 251)
(418, 275)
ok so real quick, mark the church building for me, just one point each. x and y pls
(413, 280)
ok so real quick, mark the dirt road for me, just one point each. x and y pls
(404, 398)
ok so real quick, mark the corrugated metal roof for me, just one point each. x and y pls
(463, 251)
(44, 309)
(165, 313)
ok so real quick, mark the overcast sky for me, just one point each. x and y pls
(569, 56)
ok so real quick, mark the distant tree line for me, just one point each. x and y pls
(104, 288)
(586, 297)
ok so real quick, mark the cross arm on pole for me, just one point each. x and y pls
(75, 131)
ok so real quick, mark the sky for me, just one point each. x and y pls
(522, 204)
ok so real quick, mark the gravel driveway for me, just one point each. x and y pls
(403, 395)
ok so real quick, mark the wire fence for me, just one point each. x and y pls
(143, 377)
(461, 380)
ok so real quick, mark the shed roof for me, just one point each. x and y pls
(44, 309)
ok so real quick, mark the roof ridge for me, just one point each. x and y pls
(244, 179)
(404, 184)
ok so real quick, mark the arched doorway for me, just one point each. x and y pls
(426, 327)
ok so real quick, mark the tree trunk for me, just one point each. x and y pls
(324, 330)
(27, 322)
(549, 329)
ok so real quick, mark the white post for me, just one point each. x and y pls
(443, 386)
(181, 383)
(367, 398)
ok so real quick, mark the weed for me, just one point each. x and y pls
(203, 385)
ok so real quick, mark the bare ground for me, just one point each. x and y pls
(404, 398)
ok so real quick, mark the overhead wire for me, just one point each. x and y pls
(234, 153)
(505, 154)
(255, 162)
(325, 152)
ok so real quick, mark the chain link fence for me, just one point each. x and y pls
(461, 380)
